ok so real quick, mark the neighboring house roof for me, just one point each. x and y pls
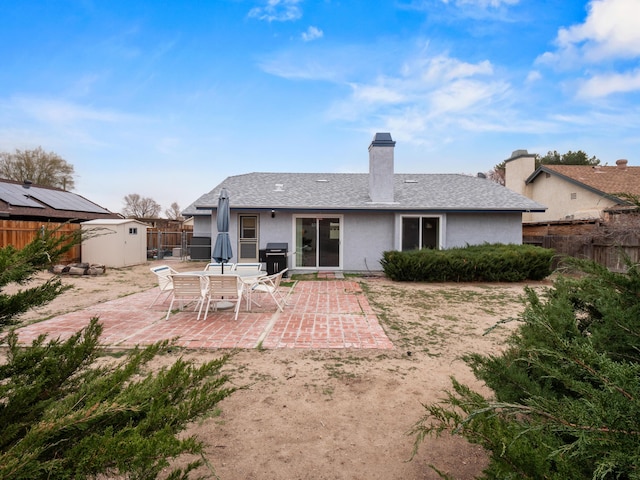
(25, 201)
(114, 221)
(350, 191)
(609, 181)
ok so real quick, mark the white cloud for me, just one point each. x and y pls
(483, 3)
(533, 76)
(610, 31)
(443, 68)
(310, 69)
(312, 33)
(428, 94)
(62, 112)
(462, 95)
(277, 11)
(603, 85)
(38, 120)
(372, 94)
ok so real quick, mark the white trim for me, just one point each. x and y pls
(317, 216)
(242, 240)
(441, 227)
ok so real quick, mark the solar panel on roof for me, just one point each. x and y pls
(15, 195)
(65, 200)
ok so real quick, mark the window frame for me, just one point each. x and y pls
(421, 217)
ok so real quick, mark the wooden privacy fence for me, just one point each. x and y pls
(608, 250)
(161, 243)
(21, 232)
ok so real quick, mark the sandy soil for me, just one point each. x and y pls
(340, 414)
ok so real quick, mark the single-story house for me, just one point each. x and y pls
(572, 192)
(27, 201)
(345, 221)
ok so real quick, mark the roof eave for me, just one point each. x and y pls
(389, 208)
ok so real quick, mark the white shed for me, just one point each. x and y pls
(114, 242)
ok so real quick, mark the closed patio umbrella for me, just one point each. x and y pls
(222, 251)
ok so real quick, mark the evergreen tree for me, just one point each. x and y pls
(65, 415)
(566, 398)
(569, 158)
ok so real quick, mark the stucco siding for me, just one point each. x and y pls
(202, 225)
(275, 229)
(475, 229)
(556, 193)
(365, 237)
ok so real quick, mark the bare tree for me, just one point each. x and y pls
(497, 174)
(173, 212)
(42, 168)
(136, 206)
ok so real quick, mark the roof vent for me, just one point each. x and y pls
(27, 184)
(622, 164)
(409, 180)
(279, 187)
(481, 175)
(322, 180)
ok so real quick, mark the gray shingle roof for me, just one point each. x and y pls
(350, 191)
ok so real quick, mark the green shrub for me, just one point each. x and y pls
(64, 415)
(566, 400)
(479, 263)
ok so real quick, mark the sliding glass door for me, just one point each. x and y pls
(318, 242)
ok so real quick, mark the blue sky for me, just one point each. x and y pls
(167, 98)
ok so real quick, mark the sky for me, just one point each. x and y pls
(166, 99)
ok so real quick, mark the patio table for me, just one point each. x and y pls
(247, 277)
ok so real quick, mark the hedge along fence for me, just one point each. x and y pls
(479, 263)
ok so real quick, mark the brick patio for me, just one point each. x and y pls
(328, 314)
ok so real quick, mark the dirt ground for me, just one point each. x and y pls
(340, 414)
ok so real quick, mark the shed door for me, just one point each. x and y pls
(133, 238)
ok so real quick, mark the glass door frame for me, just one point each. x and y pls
(317, 216)
(252, 241)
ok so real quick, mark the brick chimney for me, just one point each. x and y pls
(381, 168)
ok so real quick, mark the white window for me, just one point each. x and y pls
(420, 232)
(133, 230)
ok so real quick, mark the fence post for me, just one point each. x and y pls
(160, 248)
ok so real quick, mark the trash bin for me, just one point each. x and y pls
(276, 257)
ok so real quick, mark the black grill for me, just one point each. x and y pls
(276, 257)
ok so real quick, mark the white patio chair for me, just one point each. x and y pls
(248, 282)
(271, 285)
(217, 267)
(165, 284)
(224, 288)
(248, 266)
(188, 289)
